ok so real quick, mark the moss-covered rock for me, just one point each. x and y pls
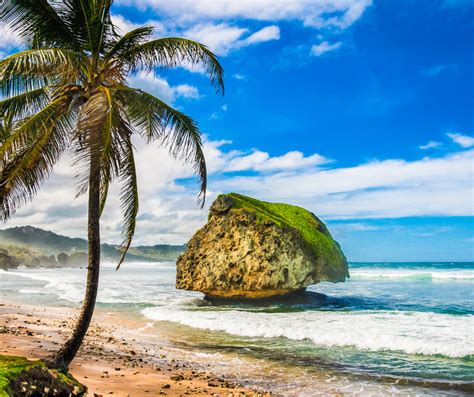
(22, 377)
(255, 249)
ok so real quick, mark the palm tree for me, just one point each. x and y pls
(69, 91)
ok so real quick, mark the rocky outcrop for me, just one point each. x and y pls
(254, 249)
(20, 377)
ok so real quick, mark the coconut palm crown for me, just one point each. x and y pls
(68, 92)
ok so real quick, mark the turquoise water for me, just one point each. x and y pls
(392, 328)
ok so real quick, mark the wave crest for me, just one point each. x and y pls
(409, 332)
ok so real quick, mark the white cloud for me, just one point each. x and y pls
(238, 76)
(322, 48)
(220, 113)
(186, 91)
(390, 188)
(430, 145)
(222, 38)
(124, 25)
(266, 34)
(168, 211)
(160, 87)
(355, 226)
(221, 161)
(216, 19)
(262, 161)
(436, 70)
(315, 13)
(464, 141)
(214, 23)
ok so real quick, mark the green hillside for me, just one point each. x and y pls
(30, 246)
(42, 240)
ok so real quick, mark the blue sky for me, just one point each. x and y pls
(361, 111)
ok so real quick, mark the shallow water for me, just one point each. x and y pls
(392, 328)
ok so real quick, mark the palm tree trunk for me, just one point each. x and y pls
(65, 355)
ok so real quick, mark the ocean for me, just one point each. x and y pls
(391, 329)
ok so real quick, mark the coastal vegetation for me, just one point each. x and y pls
(311, 228)
(32, 247)
(68, 92)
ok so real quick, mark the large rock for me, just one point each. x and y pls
(254, 249)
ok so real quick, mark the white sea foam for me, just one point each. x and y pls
(124, 287)
(168, 265)
(61, 284)
(421, 274)
(413, 333)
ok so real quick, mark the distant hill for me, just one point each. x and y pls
(41, 239)
(44, 247)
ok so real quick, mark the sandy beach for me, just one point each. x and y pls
(110, 362)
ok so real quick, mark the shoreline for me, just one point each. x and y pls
(111, 361)
(291, 353)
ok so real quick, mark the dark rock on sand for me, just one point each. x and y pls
(20, 377)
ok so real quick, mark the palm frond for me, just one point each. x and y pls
(36, 68)
(38, 20)
(29, 129)
(173, 52)
(23, 170)
(102, 27)
(90, 22)
(106, 158)
(17, 84)
(24, 104)
(127, 42)
(40, 61)
(100, 115)
(156, 120)
(6, 124)
(129, 198)
(91, 119)
(77, 15)
(114, 133)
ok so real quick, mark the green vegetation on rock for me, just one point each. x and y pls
(311, 229)
(251, 249)
(11, 367)
(22, 377)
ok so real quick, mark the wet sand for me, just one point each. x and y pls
(111, 361)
